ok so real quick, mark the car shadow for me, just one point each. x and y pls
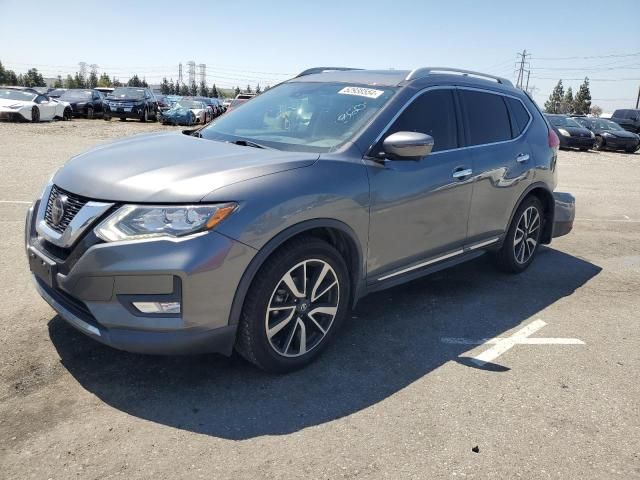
(392, 340)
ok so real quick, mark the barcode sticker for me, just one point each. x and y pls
(361, 92)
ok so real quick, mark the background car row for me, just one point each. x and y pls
(139, 103)
(584, 133)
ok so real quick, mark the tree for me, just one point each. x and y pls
(144, 83)
(184, 90)
(267, 87)
(33, 79)
(555, 99)
(237, 91)
(566, 106)
(214, 91)
(164, 86)
(193, 90)
(79, 81)
(104, 81)
(204, 91)
(171, 88)
(582, 102)
(596, 111)
(116, 82)
(92, 81)
(58, 83)
(248, 90)
(69, 82)
(258, 90)
(134, 81)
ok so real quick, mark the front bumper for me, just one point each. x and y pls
(121, 112)
(564, 213)
(577, 142)
(93, 286)
(617, 143)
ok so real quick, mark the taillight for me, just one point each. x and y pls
(554, 141)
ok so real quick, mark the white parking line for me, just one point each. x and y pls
(17, 202)
(502, 345)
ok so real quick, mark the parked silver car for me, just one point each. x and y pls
(261, 230)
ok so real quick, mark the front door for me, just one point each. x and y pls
(419, 209)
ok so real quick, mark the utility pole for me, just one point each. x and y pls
(521, 69)
(638, 99)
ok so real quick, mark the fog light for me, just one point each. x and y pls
(158, 307)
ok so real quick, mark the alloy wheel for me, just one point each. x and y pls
(302, 308)
(526, 235)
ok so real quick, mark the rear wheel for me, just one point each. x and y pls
(90, 113)
(295, 305)
(66, 115)
(35, 114)
(630, 149)
(523, 237)
(145, 115)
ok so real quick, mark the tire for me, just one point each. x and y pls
(630, 149)
(123, 119)
(516, 255)
(326, 276)
(145, 115)
(599, 143)
(66, 115)
(35, 114)
(106, 116)
(583, 149)
(90, 113)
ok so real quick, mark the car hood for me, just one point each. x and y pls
(169, 167)
(5, 102)
(578, 131)
(620, 133)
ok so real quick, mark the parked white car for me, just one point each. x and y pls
(29, 105)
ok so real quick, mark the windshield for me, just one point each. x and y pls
(127, 93)
(563, 122)
(608, 125)
(76, 95)
(316, 117)
(17, 95)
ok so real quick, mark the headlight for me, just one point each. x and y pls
(607, 134)
(16, 107)
(133, 222)
(564, 133)
(593, 135)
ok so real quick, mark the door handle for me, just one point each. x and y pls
(465, 172)
(523, 157)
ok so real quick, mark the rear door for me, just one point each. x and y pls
(495, 127)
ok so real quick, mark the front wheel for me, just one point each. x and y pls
(66, 115)
(145, 116)
(90, 113)
(599, 144)
(294, 306)
(35, 114)
(523, 237)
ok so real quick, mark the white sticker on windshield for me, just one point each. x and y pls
(361, 92)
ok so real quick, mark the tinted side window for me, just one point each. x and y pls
(432, 113)
(487, 117)
(520, 114)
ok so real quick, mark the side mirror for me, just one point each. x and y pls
(408, 145)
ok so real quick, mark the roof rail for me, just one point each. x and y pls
(424, 71)
(311, 71)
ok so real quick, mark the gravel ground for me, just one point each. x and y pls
(388, 400)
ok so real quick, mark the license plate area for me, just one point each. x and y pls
(43, 268)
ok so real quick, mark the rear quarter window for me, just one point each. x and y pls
(487, 117)
(520, 114)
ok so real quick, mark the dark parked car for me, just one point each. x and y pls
(610, 135)
(571, 133)
(86, 103)
(261, 230)
(133, 102)
(629, 119)
(163, 102)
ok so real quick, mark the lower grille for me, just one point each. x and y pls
(70, 205)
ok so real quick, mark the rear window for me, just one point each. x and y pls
(520, 114)
(487, 117)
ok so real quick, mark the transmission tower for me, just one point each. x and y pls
(83, 69)
(94, 68)
(180, 79)
(191, 65)
(202, 73)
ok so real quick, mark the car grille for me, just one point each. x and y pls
(72, 206)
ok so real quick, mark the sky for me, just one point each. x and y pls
(268, 41)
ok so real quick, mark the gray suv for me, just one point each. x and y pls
(261, 230)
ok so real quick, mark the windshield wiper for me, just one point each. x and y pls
(249, 143)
